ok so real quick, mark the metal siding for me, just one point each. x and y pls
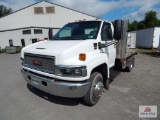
(17, 35)
(55, 31)
(144, 38)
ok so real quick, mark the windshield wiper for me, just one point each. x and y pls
(77, 38)
(68, 38)
(55, 38)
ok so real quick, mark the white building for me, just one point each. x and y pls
(30, 24)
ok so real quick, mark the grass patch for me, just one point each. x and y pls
(145, 50)
(149, 52)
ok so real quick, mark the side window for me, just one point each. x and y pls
(106, 32)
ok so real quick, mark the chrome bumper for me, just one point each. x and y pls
(58, 88)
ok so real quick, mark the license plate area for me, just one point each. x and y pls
(35, 81)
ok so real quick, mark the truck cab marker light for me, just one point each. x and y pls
(82, 57)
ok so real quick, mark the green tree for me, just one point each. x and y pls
(158, 23)
(151, 19)
(4, 10)
(133, 26)
(141, 25)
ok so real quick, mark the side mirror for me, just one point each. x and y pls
(100, 45)
(118, 29)
(50, 33)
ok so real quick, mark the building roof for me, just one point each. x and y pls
(26, 17)
(50, 3)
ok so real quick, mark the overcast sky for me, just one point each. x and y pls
(105, 9)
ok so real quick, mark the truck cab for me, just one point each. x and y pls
(76, 62)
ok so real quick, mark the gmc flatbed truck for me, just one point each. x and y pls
(76, 62)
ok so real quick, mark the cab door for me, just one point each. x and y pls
(107, 38)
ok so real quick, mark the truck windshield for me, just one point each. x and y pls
(78, 31)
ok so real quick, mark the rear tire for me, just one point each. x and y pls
(96, 89)
(130, 66)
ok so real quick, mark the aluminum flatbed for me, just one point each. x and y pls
(130, 52)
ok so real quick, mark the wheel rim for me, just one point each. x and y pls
(98, 90)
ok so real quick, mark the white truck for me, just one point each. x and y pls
(76, 62)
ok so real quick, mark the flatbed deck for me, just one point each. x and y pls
(130, 52)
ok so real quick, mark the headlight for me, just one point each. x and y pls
(78, 72)
(71, 71)
(22, 61)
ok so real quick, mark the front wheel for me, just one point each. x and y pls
(96, 89)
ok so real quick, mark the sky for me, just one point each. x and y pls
(104, 9)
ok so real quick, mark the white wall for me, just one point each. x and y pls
(27, 18)
(17, 35)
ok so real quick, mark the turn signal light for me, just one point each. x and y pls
(82, 57)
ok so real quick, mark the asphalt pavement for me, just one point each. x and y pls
(20, 101)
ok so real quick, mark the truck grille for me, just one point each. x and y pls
(39, 62)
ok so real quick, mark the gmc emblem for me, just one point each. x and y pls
(36, 62)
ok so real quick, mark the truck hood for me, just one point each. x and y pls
(52, 48)
(66, 51)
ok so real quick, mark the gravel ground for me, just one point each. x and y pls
(20, 101)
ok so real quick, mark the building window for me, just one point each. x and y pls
(25, 32)
(50, 9)
(38, 31)
(38, 10)
(10, 42)
(23, 42)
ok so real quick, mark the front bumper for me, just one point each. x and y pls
(58, 88)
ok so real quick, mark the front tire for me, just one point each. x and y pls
(96, 89)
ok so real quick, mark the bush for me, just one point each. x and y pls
(20, 48)
(4, 50)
